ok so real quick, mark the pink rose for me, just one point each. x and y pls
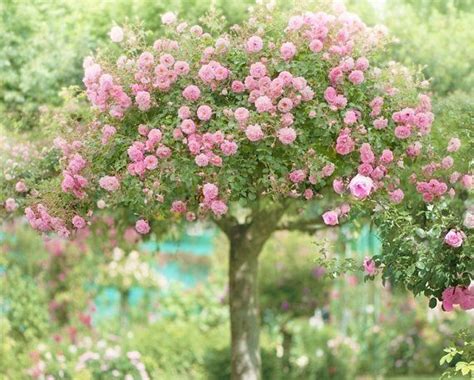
(297, 176)
(116, 34)
(454, 145)
(191, 92)
(369, 266)
(254, 44)
(286, 135)
(356, 77)
(254, 132)
(330, 218)
(397, 196)
(361, 186)
(204, 113)
(142, 227)
(288, 51)
(454, 238)
(109, 183)
(210, 191)
(78, 222)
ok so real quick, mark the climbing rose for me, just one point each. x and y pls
(454, 238)
(218, 207)
(361, 186)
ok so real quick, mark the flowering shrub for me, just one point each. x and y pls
(176, 122)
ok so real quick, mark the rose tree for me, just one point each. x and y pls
(252, 128)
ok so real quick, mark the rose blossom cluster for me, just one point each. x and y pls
(42, 221)
(103, 92)
(73, 181)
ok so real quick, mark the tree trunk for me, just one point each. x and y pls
(244, 309)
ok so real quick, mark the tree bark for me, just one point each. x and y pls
(244, 310)
(246, 243)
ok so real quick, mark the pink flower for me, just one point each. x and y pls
(366, 154)
(237, 86)
(181, 67)
(151, 162)
(78, 222)
(228, 148)
(10, 205)
(107, 132)
(380, 123)
(338, 186)
(143, 100)
(241, 114)
(154, 136)
(447, 162)
(210, 191)
(116, 34)
(204, 113)
(201, 160)
(454, 238)
(350, 117)
(288, 51)
(20, 187)
(254, 44)
(328, 169)
(454, 145)
(218, 207)
(330, 218)
(356, 77)
(263, 104)
(387, 156)
(286, 135)
(258, 70)
(361, 186)
(369, 266)
(142, 227)
(179, 207)
(191, 92)
(308, 194)
(315, 46)
(344, 144)
(297, 176)
(188, 126)
(403, 131)
(168, 18)
(362, 63)
(109, 183)
(285, 105)
(397, 196)
(254, 132)
(459, 295)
